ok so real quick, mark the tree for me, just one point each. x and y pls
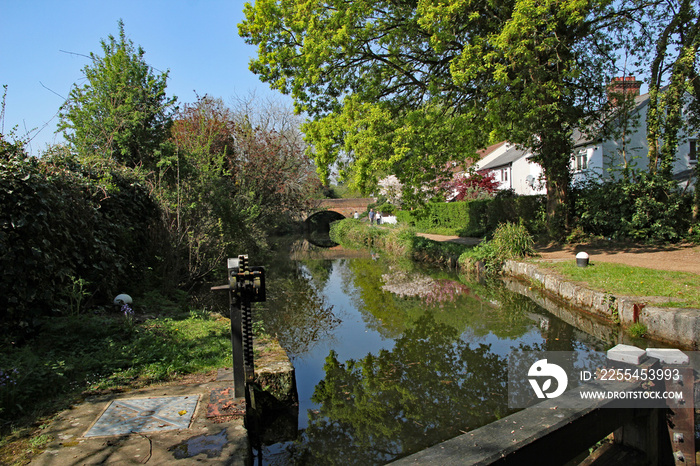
(405, 87)
(471, 186)
(122, 111)
(672, 42)
(229, 184)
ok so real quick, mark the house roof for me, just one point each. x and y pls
(581, 139)
(508, 157)
(484, 152)
(459, 168)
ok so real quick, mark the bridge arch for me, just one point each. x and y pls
(321, 221)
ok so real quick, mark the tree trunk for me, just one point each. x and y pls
(554, 157)
(557, 208)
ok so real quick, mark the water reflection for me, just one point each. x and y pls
(298, 314)
(390, 359)
(429, 387)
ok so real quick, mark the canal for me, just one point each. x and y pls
(391, 358)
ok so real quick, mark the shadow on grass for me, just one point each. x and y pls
(88, 354)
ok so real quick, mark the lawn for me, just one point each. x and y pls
(681, 289)
(76, 356)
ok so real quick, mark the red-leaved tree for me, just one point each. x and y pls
(471, 186)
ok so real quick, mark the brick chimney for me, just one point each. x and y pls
(624, 85)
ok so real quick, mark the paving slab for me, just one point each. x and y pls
(626, 354)
(165, 424)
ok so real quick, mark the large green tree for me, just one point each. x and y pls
(671, 41)
(122, 111)
(407, 87)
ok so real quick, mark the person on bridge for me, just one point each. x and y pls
(371, 216)
(356, 215)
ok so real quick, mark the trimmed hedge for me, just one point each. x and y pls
(463, 218)
(477, 218)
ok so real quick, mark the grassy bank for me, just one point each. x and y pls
(400, 242)
(677, 289)
(74, 357)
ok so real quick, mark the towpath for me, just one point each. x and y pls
(682, 257)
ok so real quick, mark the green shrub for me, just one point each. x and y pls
(647, 208)
(637, 330)
(508, 207)
(464, 218)
(477, 217)
(400, 242)
(63, 223)
(510, 241)
(353, 233)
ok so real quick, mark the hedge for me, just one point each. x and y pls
(62, 223)
(476, 218)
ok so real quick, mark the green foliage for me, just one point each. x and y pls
(399, 242)
(76, 295)
(646, 208)
(227, 186)
(507, 207)
(465, 218)
(121, 112)
(510, 241)
(356, 234)
(637, 330)
(59, 220)
(407, 87)
(477, 217)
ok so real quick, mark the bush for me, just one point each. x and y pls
(464, 218)
(477, 217)
(63, 223)
(400, 242)
(510, 241)
(508, 207)
(648, 209)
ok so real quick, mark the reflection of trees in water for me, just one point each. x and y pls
(467, 307)
(430, 387)
(296, 313)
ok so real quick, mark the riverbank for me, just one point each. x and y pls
(671, 325)
(674, 326)
(193, 419)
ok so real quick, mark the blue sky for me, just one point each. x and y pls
(196, 40)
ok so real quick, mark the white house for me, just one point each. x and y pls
(605, 157)
(592, 157)
(513, 169)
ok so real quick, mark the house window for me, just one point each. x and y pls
(504, 174)
(582, 160)
(692, 154)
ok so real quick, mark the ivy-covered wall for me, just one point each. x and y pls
(69, 234)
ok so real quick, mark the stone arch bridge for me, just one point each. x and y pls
(333, 210)
(347, 207)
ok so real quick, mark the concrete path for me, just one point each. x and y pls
(221, 440)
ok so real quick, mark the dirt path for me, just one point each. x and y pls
(681, 257)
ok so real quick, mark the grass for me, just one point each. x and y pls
(681, 289)
(77, 356)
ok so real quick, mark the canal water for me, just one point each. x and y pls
(391, 358)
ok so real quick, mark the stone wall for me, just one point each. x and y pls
(672, 325)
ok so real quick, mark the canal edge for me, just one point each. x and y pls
(677, 326)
